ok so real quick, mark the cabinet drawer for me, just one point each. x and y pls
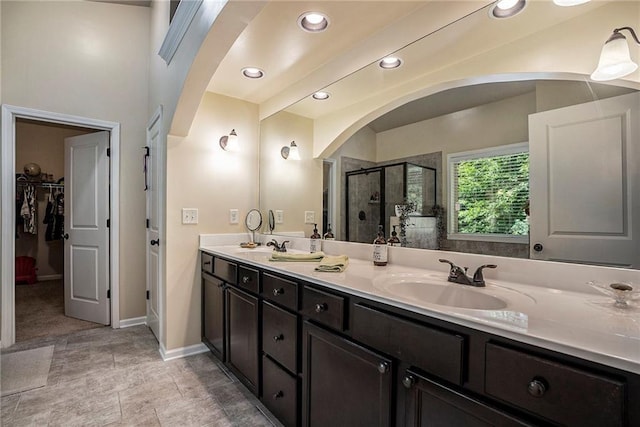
(280, 291)
(280, 335)
(323, 307)
(437, 352)
(249, 279)
(225, 270)
(555, 391)
(206, 261)
(279, 392)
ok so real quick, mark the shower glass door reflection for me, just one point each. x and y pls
(364, 199)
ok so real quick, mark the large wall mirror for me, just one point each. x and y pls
(478, 104)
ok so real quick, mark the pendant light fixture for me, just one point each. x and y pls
(615, 59)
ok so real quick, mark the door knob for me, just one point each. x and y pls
(155, 242)
(66, 236)
(538, 247)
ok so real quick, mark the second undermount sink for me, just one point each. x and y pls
(426, 289)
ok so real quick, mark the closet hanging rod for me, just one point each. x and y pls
(41, 184)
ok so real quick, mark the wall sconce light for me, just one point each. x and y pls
(290, 152)
(230, 142)
(615, 60)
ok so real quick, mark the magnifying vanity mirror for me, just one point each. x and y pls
(474, 96)
(253, 221)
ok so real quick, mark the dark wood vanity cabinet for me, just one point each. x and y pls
(242, 336)
(428, 403)
(213, 315)
(344, 384)
(320, 357)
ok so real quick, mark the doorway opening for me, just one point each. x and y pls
(39, 238)
(47, 186)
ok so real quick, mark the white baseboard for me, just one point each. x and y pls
(134, 321)
(46, 277)
(182, 351)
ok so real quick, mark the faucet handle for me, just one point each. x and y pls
(282, 246)
(455, 270)
(478, 279)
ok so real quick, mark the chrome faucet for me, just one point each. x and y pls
(459, 275)
(278, 247)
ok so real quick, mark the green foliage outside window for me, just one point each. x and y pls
(492, 195)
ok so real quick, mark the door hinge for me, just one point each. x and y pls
(108, 223)
(148, 222)
(147, 294)
(108, 152)
(109, 293)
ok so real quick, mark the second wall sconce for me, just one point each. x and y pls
(290, 152)
(615, 61)
(230, 142)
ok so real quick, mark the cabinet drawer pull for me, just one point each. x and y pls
(320, 307)
(246, 279)
(408, 381)
(383, 367)
(278, 395)
(537, 387)
(277, 338)
(278, 291)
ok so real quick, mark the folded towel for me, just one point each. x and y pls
(334, 264)
(284, 256)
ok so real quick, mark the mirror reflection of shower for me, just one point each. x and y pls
(374, 195)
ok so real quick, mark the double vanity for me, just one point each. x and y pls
(400, 345)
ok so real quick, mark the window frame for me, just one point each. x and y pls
(453, 158)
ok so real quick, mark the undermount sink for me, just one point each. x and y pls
(430, 290)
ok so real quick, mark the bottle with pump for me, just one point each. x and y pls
(329, 234)
(380, 249)
(394, 240)
(314, 240)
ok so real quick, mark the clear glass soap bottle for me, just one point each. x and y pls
(380, 248)
(314, 240)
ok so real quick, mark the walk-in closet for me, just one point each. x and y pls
(40, 232)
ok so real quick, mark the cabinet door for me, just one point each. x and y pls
(430, 404)
(213, 314)
(344, 384)
(242, 344)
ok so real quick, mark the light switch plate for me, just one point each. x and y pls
(309, 217)
(233, 216)
(189, 215)
(279, 217)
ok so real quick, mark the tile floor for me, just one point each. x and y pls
(116, 377)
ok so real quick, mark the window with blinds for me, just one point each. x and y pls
(489, 193)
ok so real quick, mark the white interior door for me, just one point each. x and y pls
(152, 165)
(86, 247)
(585, 189)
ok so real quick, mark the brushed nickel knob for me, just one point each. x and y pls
(408, 381)
(320, 307)
(383, 367)
(537, 387)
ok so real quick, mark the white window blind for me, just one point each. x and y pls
(489, 192)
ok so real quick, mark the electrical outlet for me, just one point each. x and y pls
(233, 216)
(189, 215)
(279, 217)
(309, 217)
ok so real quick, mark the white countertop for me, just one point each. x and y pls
(580, 324)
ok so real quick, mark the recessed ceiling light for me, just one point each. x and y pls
(390, 62)
(506, 8)
(320, 95)
(252, 72)
(313, 22)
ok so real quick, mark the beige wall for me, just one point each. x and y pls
(88, 59)
(289, 185)
(42, 144)
(201, 175)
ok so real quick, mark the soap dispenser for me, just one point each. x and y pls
(380, 249)
(394, 240)
(329, 234)
(314, 240)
